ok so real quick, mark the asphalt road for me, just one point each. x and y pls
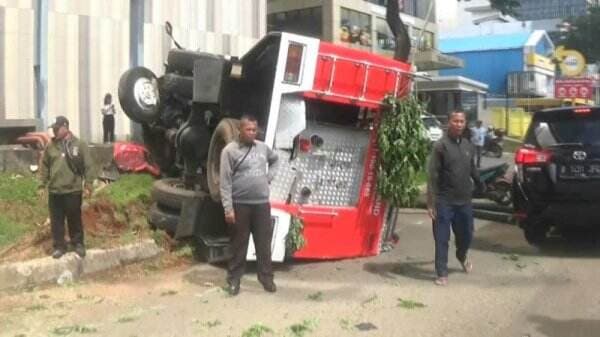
(514, 290)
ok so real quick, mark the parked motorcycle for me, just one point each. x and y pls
(498, 186)
(493, 143)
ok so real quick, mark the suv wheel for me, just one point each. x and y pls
(535, 231)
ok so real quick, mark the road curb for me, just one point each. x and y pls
(47, 270)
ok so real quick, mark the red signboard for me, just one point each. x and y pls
(574, 88)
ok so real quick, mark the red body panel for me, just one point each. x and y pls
(342, 232)
(350, 76)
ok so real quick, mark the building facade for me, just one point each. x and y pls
(514, 64)
(60, 57)
(361, 24)
(532, 10)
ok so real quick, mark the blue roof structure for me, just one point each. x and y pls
(484, 42)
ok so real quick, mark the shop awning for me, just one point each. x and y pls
(434, 60)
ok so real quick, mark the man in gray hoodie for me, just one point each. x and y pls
(247, 167)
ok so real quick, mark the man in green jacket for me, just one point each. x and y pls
(65, 165)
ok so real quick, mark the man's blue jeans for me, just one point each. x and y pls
(460, 218)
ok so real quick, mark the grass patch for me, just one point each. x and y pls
(257, 330)
(129, 188)
(410, 304)
(17, 187)
(11, 231)
(20, 207)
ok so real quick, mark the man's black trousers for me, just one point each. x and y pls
(255, 219)
(65, 206)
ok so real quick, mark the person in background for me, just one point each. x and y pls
(66, 164)
(108, 119)
(478, 134)
(451, 175)
(247, 168)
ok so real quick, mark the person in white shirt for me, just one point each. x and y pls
(478, 134)
(108, 119)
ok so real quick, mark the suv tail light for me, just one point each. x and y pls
(527, 156)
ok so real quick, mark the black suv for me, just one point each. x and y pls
(557, 180)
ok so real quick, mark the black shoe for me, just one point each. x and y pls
(80, 250)
(233, 288)
(269, 286)
(58, 253)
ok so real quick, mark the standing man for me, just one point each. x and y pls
(247, 167)
(478, 134)
(452, 173)
(65, 165)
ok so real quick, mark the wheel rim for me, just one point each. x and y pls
(145, 93)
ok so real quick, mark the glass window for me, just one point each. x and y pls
(426, 40)
(385, 41)
(307, 21)
(355, 28)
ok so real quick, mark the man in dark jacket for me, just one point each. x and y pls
(247, 167)
(66, 163)
(452, 173)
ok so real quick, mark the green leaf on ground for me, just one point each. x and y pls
(67, 330)
(212, 324)
(410, 304)
(127, 319)
(37, 307)
(318, 296)
(168, 293)
(369, 300)
(346, 324)
(257, 330)
(521, 265)
(301, 329)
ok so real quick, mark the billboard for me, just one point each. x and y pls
(574, 88)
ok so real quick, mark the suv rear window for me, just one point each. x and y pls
(551, 128)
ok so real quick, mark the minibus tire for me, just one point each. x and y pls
(226, 131)
(166, 193)
(132, 102)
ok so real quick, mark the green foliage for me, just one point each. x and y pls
(16, 187)
(583, 34)
(507, 7)
(403, 150)
(295, 238)
(129, 188)
(257, 330)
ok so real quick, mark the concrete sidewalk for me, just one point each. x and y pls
(71, 266)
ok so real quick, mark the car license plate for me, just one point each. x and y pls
(580, 171)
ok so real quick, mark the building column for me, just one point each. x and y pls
(41, 61)
(136, 50)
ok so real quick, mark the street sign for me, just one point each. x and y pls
(574, 88)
